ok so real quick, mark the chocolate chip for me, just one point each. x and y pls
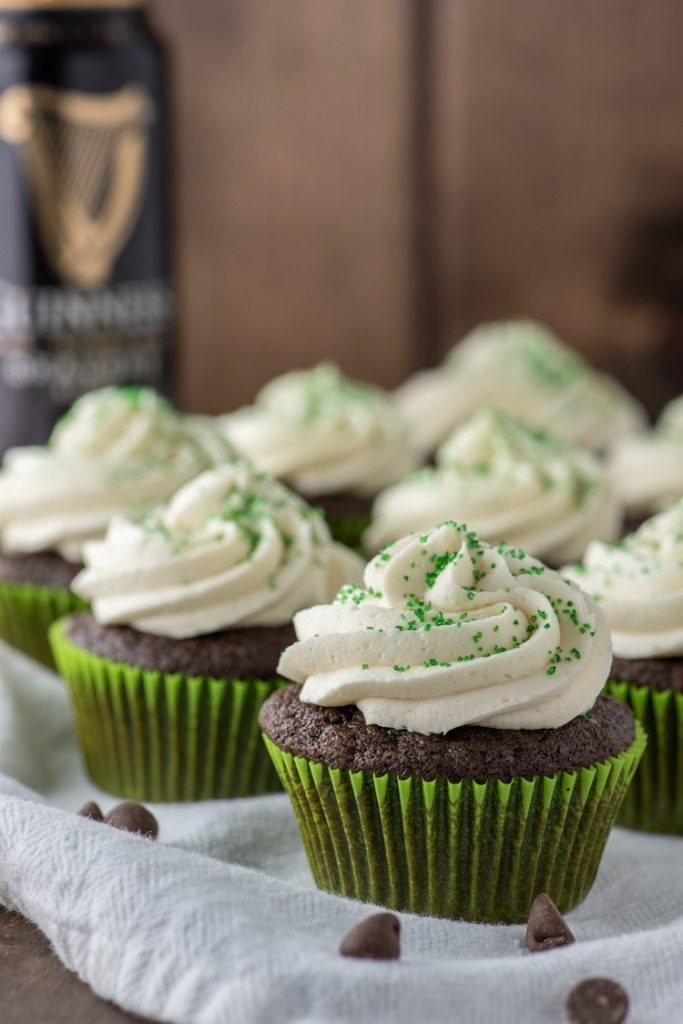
(92, 811)
(597, 1001)
(546, 928)
(133, 817)
(375, 938)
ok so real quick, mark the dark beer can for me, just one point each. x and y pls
(85, 293)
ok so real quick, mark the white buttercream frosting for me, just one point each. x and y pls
(508, 482)
(639, 585)
(449, 631)
(647, 470)
(323, 433)
(116, 450)
(232, 548)
(523, 369)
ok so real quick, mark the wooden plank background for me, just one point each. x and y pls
(568, 142)
(294, 202)
(363, 182)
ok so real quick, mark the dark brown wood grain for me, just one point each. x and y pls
(37, 989)
(294, 190)
(560, 175)
(363, 182)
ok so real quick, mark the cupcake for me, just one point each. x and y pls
(191, 608)
(509, 482)
(335, 441)
(647, 471)
(525, 370)
(445, 745)
(117, 449)
(639, 585)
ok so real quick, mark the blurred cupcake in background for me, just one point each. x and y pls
(118, 449)
(191, 608)
(335, 441)
(523, 369)
(647, 470)
(445, 745)
(639, 585)
(509, 482)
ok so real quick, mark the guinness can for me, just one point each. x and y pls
(85, 297)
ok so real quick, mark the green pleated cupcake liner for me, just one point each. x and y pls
(466, 850)
(654, 803)
(348, 530)
(27, 610)
(155, 736)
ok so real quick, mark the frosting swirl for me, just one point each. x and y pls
(322, 433)
(449, 631)
(639, 585)
(115, 450)
(232, 547)
(509, 482)
(523, 369)
(647, 470)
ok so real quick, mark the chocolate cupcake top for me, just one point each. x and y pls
(341, 738)
(449, 631)
(639, 585)
(117, 449)
(525, 370)
(323, 433)
(647, 470)
(232, 547)
(509, 482)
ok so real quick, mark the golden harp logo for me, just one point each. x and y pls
(86, 160)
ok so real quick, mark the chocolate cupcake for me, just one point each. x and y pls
(525, 370)
(647, 470)
(335, 441)
(509, 482)
(639, 585)
(444, 748)
(117, 449)
(191, 607)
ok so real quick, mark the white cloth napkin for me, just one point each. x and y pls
(220, 922)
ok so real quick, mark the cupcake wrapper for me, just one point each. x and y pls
(468, 850)
(654, 803)
(27, 610)
(348, 530)
(154, 736)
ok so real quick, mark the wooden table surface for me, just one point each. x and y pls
(37, 989)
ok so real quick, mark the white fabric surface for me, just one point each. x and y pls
(220, 920)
